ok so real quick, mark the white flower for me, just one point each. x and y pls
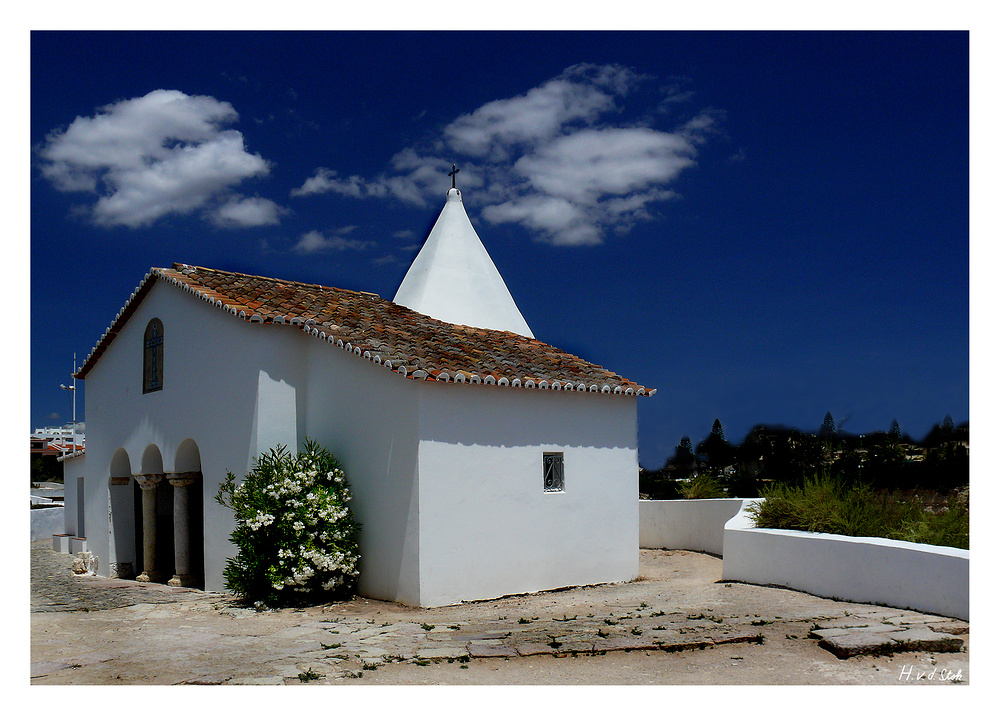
(259, 520)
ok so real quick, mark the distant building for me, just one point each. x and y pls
(49, 445)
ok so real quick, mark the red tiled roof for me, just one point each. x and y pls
(408, 343)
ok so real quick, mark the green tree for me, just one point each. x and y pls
(683, 452)
(829, 427)
(895, 434)
(828, 437)
(717, 450)
(683, 458)
(750, 456)
(941, 433)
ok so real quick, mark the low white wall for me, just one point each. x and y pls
(697, 525)
(858, 569)
(46, 522)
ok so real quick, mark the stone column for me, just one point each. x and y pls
(148, 484)
(182, 529)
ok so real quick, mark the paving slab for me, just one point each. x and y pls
(626, 643)
(858, 642)
(840, 631)
(953, 628)
(488, 651)
(44, 668)
(913, 618)
(258, 681)
(576, 646)
(444, 652)
(925, 640)
(533, 649)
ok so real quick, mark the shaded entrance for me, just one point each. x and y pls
(169, 510)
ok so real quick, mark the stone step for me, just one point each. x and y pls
(846, 643)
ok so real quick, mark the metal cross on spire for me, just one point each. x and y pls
(452, 174)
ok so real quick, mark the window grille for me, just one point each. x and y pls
(552, 471)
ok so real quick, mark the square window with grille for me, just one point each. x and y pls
(552, 472)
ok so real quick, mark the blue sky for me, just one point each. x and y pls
(762, 226)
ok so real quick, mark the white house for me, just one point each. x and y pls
(483, 462)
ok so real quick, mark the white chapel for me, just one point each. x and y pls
(482, 461)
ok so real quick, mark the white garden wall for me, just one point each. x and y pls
(696, 525)
(858, 569)
(46, 521)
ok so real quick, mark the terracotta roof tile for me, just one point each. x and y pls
(407, 342)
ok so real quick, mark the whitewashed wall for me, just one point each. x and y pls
(487, 528)
(858, 569)
(46, 521)
(367, 416)
(696, 525)
(215, 393)
(73, 468)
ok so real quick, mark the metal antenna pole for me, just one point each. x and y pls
(73, 389)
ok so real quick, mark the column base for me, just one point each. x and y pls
(148, 577)
(182, 580)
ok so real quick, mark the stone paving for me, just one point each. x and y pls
(55, 587)
(344, 640)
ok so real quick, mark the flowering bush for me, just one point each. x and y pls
(297, 538)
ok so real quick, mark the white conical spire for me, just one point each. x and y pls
(453, 279)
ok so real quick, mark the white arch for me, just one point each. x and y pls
(188, 457)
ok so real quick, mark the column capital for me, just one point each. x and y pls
(149, 481)
(182, 479)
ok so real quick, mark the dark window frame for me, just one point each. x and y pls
(152, 356)
(553, 472)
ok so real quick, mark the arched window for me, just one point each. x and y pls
(152, 357)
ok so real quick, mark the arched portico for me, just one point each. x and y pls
(157, 516)
(187, 497)
(122, 554)
(164, 515)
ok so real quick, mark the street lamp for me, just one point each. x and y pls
(73, 389)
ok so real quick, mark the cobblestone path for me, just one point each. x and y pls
(55, 588)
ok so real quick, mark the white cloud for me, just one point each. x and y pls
(164, 153)
(313, 242)
(565, 221)
(558, 159)
(253, 211)
(591, 163)
(326, 181)
(580, 94)
(413, 179)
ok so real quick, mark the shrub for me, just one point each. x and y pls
(296, 536)
(702, 487)
(655, 485)
(824, 504)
